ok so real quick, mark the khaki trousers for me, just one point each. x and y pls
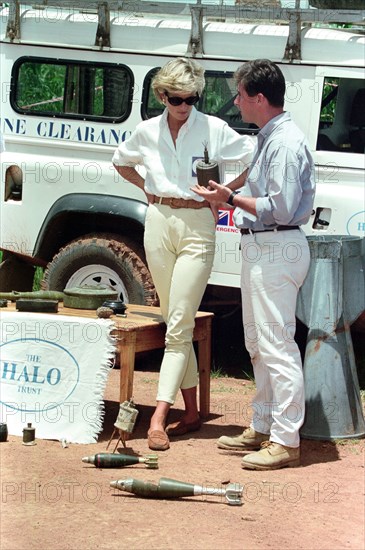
(179, 245)
(274, 266)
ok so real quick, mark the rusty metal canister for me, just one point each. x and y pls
(3, 432)
(29, 435)
(206, 171)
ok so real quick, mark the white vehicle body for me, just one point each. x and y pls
(67, 188)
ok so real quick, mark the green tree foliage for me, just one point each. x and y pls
(41, 86)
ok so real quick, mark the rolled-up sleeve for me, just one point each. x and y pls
(128, 152)
(235, 148)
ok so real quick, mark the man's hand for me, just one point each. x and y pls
(215, 193)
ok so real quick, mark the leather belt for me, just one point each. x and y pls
(181, 203)
(278, 228)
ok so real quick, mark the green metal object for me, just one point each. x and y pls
(109, 460)
(85, 297)
(37, 305)
(88, 297)
(172, 488)
(34, 295)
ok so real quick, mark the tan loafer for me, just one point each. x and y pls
(272, 456)
(158, 440)
(249, 440)
(181, 427)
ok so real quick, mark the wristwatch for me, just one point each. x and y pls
(231, 197)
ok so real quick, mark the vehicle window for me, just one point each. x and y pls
(342, 117)
(217, 100)
(329, 99)
(91, 91)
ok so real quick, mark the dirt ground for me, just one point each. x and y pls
(52, 500)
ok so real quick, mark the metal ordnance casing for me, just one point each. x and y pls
(111, 460)
(171, 488)
(85, 297)
(206, 171)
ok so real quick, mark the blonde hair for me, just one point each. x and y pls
(181, 75)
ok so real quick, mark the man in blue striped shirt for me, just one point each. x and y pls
(275, 200)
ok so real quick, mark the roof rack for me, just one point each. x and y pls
(197, 11)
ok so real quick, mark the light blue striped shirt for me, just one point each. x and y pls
(281, 177)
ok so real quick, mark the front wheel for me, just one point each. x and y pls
(103, 260)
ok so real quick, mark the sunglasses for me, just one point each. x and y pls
(175, 101)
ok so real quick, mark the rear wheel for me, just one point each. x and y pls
(103, 260)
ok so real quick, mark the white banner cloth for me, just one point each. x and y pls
(53, 373)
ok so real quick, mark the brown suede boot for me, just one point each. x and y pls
(249, 440)
(272, 456)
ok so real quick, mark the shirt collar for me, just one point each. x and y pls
(187, 125)
(273, 124)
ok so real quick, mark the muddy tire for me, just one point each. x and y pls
(105, 260)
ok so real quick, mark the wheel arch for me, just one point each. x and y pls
(103, 259)
(78, 214)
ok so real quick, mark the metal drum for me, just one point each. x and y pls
(330, 300)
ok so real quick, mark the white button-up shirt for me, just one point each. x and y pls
(170, 169)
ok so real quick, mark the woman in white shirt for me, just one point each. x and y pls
(179, 234)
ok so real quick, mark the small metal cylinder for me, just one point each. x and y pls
(107, 460)
(29, 435)
(3, 431)
(206, 171)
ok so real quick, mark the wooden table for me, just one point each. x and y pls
(143, 329)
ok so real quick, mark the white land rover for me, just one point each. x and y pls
(75, 81)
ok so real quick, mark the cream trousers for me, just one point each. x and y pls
(273, 269)
(179, 245)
